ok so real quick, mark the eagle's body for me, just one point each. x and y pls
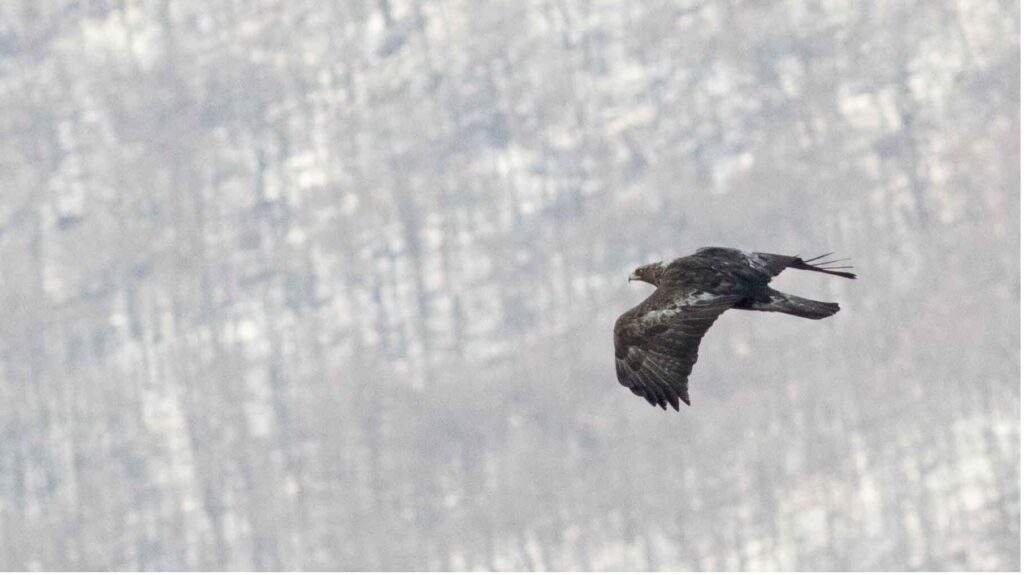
(656, 341)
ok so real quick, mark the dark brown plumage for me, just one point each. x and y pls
(656, 342)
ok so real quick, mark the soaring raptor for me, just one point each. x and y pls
(656, 341)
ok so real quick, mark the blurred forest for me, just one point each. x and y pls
(290, 284)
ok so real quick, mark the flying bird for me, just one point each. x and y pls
(656, 341)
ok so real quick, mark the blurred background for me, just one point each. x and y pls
(330, 285)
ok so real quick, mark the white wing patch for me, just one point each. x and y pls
(695, 298)
(754, 260)
(678, 306)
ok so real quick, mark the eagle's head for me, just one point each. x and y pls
(650, 273)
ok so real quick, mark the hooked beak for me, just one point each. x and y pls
(634, 277)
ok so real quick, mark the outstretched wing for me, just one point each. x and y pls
(771, 265)
(656, 343)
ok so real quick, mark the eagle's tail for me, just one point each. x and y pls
(795, 305)
(819, 266)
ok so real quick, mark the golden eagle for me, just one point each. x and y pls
(656, 342)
